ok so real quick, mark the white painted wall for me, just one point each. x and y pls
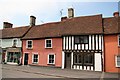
(9, 43)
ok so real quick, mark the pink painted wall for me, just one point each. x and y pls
(39, 47)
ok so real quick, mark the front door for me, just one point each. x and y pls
(68, 60)
(26, 59)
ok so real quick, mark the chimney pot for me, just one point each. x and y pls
(63, 18)
(32, 20)
(116, 14)
(70, 12)
(7, 25)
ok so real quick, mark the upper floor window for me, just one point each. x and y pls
(48, 43)
(117, 61)
(29, 44)
(119, 40)
(81, 39)
(14, 42)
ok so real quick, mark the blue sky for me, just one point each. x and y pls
(18, 11)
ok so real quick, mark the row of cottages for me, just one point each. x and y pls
(75, 43)
(10, 42)
(83, 43)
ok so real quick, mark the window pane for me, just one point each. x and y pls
(85, 39)
(29, 42)
(79, 59)
(118, 58)
(75, 58)
(48, 41)
(86, 58)
(81, 39)
(77, 39)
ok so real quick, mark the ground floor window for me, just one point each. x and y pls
(77, 58)
(117, 61)
(51, 59)
(13, 57)
(83, 58)
(35, 58)
(88, 59)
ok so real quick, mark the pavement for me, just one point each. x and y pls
(47, 72)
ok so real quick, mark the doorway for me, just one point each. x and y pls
(26, 59)
(68, 60)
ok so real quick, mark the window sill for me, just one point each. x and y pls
(48, 47)
(117, 66)
(34, 63)
(51, 64)
(29, 48)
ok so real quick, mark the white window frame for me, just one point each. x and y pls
(27, 44)
(33, 58)
(116, 60)
(46, 43)
(16, 42)
(118, 40)
(48, 58)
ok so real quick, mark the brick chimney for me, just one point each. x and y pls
(63, 18)
(32, 20)
(7, 25)
(116, 14)
(70, 12)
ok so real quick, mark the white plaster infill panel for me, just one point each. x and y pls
(98, 61)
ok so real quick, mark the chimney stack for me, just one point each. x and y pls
(70, 12)
(63, 18)
(7, 25)
(32, 20)
(116, 14)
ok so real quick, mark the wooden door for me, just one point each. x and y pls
(68, 60)
(26, 59)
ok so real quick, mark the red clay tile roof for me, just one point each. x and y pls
(75, 26)
(111, 25)
(18, 32)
